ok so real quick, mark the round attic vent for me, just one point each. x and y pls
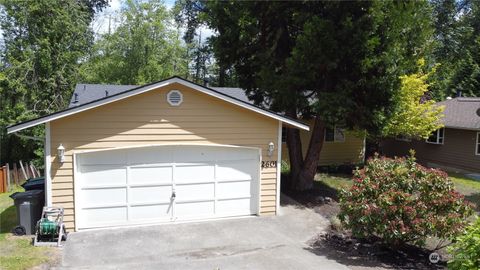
(478, 112)
(174, 98)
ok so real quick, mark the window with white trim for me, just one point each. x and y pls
(437, 137)
(336, 134)
(477, 145)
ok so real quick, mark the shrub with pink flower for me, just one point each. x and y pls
(401, 202)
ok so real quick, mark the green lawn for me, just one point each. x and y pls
(466, 186)
(18, 252)
(335, 181)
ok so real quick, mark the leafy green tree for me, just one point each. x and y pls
(336, 62)
(145, 47)
(43, 42)
(414, 116)
(456, 48)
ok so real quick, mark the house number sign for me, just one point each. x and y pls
(269, 164)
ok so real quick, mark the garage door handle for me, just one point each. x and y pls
(174, 195)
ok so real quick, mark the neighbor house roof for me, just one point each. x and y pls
(109, 94)
(462, 113)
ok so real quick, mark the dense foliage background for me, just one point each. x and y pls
(338, 62)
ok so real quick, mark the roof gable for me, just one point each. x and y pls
(149, 87)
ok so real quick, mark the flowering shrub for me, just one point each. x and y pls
(466, 250)
(401, 201)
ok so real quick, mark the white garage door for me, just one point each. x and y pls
(165, 183)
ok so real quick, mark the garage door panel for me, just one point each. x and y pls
(208, 182)
(150, 175)
(151, 155)
(150, 212)
(101, 175)
(194, 173)
(225, 154)
(102, 216)
(195, 192)
(149, 194)
(194, 154)
(234, 189)
(194, 210)
(235, 207)
(104, 196)
(104, 158)
(239, 170)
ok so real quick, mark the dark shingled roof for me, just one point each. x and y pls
(85, 93)
(462, 113)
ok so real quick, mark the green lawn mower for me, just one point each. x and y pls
(50, 230)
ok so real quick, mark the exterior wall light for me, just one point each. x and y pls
(271, 148)
(61, 153)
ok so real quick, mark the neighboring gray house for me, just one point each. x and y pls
(455, 147)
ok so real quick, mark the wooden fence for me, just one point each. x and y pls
(3, 179)
(16, 175)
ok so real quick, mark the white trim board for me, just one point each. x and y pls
(477, 140)
(147, 88)
(279, 168)
(48, 165)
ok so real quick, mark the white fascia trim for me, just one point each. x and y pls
(149, 88)
(279, 168)
(48, 164)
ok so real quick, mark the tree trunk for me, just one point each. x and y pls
(304, 180)
(221, 76)
(295, 154)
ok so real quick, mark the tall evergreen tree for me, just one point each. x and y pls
(337, 62)
(456, 49)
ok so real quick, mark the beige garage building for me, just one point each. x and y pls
(163, 152)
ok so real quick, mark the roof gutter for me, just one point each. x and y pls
(462, 128)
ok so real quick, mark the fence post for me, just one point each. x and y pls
(15, 173)
(4, 180)
(25, 175)
(2, 171)
(8, 177)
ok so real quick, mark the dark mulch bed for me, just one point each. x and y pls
(343, 248)
(361, 253)
(322, 198)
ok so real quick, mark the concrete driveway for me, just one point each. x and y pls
(277, 242)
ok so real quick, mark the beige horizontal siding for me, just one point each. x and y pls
(350, 151)
(148, 119)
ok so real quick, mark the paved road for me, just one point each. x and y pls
(247, 243)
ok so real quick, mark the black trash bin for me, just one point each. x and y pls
(29, 206)
(34, 183)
